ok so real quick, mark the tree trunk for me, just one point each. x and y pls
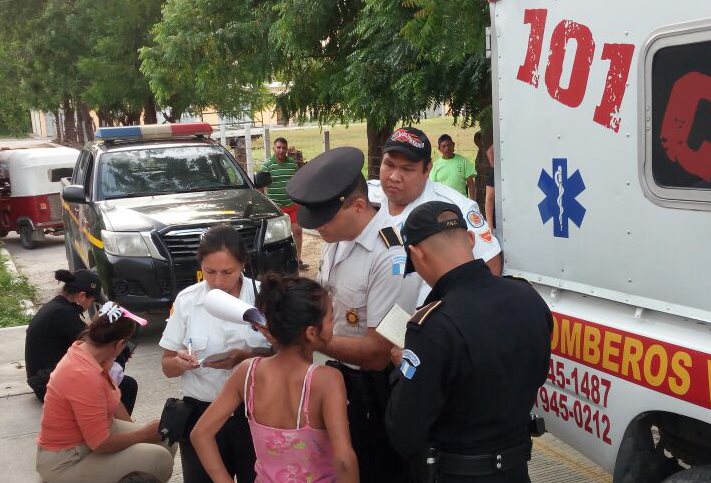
(376, 142)
(70, 126)
(149, 111)
(58, 126)
(86, 122)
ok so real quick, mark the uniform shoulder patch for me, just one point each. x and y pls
(423, 312)
(390, 237)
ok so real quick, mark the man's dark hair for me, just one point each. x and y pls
(281, 140)
(443, 138)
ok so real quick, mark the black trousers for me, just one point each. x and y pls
(518, 474)
(377, 459)
(234, 441)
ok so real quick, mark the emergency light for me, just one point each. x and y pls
(153, 131)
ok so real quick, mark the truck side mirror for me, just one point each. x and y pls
(74, 193)
(262, 180)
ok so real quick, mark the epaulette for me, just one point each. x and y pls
(423, 312)
(390, 237)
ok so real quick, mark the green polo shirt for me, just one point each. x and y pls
(453, 172)
(281, 174)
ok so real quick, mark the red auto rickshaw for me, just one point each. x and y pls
(30, 203)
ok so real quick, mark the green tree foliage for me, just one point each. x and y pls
(116, 31)
(14, 116)
(209, 53)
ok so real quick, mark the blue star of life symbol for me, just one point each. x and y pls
(560, 203)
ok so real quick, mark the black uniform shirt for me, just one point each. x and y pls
(51, 331)
(483, 353)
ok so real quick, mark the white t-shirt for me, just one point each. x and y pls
(189, 319)
(486, 246)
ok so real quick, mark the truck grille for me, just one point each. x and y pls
(182, 244)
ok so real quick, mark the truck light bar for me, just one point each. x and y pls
(153, 131)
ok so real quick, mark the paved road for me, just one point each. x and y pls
(39, 264)
(553, 461)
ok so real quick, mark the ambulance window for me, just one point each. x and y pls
(677, 162)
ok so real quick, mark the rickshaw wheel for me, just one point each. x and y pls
(26, 237)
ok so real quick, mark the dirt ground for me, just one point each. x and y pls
(311, 252)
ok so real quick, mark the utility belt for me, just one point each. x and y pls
(441, 463)
(370, 388)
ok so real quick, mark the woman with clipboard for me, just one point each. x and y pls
(192, 335)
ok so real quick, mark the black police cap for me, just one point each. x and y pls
(422, 223)
(322, 184)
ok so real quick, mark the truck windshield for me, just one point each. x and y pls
(155, 171)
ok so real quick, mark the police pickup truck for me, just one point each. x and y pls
(140, 198)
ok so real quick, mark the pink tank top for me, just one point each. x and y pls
(303, 454)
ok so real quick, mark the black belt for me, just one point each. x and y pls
(486, 464)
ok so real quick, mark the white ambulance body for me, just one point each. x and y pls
(602, 128)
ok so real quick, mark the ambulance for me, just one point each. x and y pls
(602, 143)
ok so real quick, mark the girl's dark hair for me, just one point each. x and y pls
(291, 304)
(222, 237)
(102, 332)
(67, 277)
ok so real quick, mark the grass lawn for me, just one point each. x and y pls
(12, 290)
(309, 140)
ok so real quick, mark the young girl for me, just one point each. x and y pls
(296, 410)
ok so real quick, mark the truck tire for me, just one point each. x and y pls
(26, 236)
(697, 474)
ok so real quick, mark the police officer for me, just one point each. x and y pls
(362, 265)
(474, 358)
(404, 184)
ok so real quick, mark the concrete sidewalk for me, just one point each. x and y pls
(20, 412)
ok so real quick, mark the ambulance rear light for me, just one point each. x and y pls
(153, 131)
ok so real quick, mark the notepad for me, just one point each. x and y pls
(394, 325)
(214, 358)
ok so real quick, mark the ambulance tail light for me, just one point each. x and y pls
(153, 131)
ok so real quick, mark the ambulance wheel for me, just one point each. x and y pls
(26, 236)
(697, 474)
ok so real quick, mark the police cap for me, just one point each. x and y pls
(321, 186)
(423, 222)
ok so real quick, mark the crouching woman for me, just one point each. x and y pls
(85, 435)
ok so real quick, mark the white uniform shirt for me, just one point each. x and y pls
(486, 246)
(190, 320)
(365, 279)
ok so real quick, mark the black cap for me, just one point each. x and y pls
(422, 223)
(411, 142)
(321, 186)
(86, 281)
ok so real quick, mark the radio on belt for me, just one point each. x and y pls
(537, 426)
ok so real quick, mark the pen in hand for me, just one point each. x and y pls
(190, 346)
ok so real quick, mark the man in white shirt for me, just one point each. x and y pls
(405, 184)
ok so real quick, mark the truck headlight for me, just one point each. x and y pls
(278, 229)
(125, 244)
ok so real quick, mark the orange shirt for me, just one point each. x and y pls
(80, 403)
